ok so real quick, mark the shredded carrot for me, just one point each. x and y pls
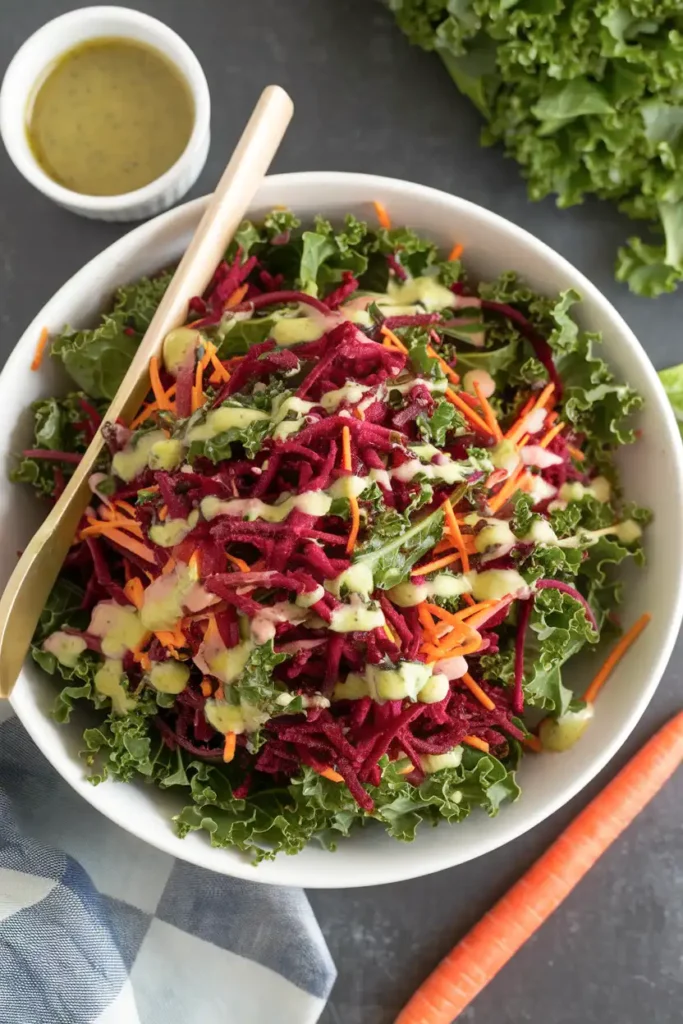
(512, 484)
(229, 747)
(144, 415)
(467, 598)
(469, 413)
(492, 943)
(329, 773)
(171, 637)
(144, 661)
(474, 741)
(474, 609)
(194, 563)
(576, 453)
(426, 620)
(396, 342)
(552, 417)
(237, 296)
(489, 414)
(239, 562)
(126, 507)
(163, 513)
(206, 687)
(43, 339)
(476, 691)
(346, 449)
(552, 434)
(433, 566)
(162, 400)
(382, 215)
(448, 370)
(615, 657)
(220, 373)
(441, 613)
(108, 527)
(197, 390)
(483, 614)
(542, 399)
(517, 428)
(456, 535)
(169, 566)
(390, 636)
(347, 464)
(134, 591)
(533, 743)
(358, 413)
(220, 692)
(455, 253)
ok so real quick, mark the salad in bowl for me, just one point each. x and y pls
(334, 569)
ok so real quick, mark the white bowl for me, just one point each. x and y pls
(42, 49)
(652, 474)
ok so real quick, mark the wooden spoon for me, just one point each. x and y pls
(29, 586)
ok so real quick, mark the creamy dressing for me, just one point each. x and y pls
(66, 648)
(407, 595)
(169, 676)
(628, 532)
(505, 455)
(173, 531)
(224, 717)
(448, 472)
(118, 626)
(220, 420)
(132, 459)
(431, 763)
(357, 615)
(177, 346)
(348, 486)
(426, 291)
(494, 584)
(165, 600)
(310, 597)
(496, 535)
(559, 734)
(312, 503)
(352, 393)
(540, 532)
(357, 579)
(262, 626)
(109, 683)
(294, 330)
(166, 454)
(483, 379)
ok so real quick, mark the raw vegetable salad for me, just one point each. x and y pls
(334, 568)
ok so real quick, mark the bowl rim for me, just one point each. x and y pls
(278, 871)
(166, 41)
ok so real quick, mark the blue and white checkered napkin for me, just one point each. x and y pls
(97, 927)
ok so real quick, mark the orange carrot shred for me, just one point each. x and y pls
(239, 562)
(469, 413)
(576, 453)
(552, 434)
(346, 449)
(163, 513)
(347, 464)
(382, 215)
(197, 390)
(440, 563)
(43, 339)
(229, 747)
(512, 484)
(533, 743)
(492, 943)
(489, 414)
(455, 253)
(206, 687)
(132, 545)
(329, 773)
(169, 566)
(426, 620)
(476, 691)
(237, 296)
(615, 657)
(134, 591)
(126, 506)
(395, 341)
(474, 741)
(220, 373)
(517, 428)
(195, 562)
(162, 400)
(144, 414)
(454, 530)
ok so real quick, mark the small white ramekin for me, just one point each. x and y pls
(28, 68)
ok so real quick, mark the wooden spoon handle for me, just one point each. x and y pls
(29, 585)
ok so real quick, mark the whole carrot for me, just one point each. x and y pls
(470, 966)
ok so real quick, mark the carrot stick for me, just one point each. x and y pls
(389, 335)
(456, 535)
(229, 747)
(239, 562)
(476, 691)
(162, 399)
(134, 591)
(382, 215)
(329, 773)
(455, 253)
(552, 433)
(144, 415)
(469, 414)
(197, 391)
(615, 656)
(353, 501)
(474, 741)
(43, 339)
(489, 414)
(237, 296)
(433, 566)
(512, 484)
(492, 942)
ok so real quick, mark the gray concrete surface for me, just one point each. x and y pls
(366, 101)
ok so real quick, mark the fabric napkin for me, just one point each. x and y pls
(98, 928)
